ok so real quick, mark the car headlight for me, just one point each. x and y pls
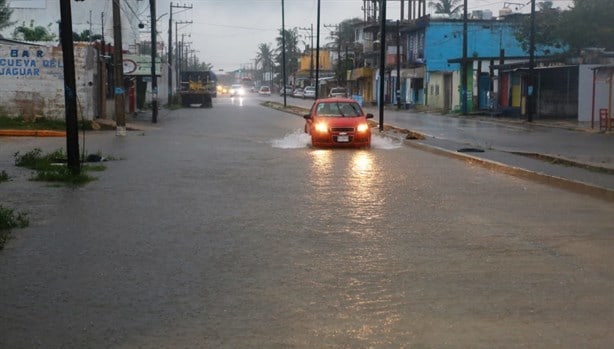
(362, 128)
(321, 127)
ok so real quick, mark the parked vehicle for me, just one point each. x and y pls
(337, 92)
(264, 91)
(285, 91)
(338, 122)
(298, 92)
(309, 92)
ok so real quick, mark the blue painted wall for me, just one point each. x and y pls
(444, 41)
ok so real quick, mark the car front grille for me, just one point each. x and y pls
(342, 129)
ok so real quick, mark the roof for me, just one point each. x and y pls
(9, 41)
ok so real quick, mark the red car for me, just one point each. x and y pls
(338, 122)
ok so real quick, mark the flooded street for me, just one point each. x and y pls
(224, 228)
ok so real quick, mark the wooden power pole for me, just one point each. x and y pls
(118, 72)
(70, 89)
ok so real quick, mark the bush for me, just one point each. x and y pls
(51, 167)
(8, 221)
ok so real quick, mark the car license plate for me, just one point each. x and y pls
(343, 138)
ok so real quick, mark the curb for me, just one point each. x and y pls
(539, 177)
(32, 133)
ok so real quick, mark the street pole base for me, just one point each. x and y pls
(120, 131)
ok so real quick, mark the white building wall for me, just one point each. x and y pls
(585, 94)
(32, 81)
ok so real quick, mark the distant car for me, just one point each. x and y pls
(337, 92)
(222, 89)
(309, 92)
(264, 91)
(285, 91)
(338, 122)
(298, 92)
(237, 90)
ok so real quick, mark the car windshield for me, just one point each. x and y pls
(344, 109)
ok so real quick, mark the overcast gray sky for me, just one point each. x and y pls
(226, 33)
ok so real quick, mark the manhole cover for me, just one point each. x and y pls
(470, 150)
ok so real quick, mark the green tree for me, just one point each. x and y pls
(265, 60)
(33, 33)
(86, 35)
(292, 51)
(446, 6)
(5, 15)
(588, 23)
(548, 21)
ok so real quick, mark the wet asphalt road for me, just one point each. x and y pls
(221, 228)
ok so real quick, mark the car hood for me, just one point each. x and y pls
(342, 121)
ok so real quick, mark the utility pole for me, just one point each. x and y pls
(70, 89)
(310, 50)
(337, 31)
(170, 49)
(118, 66)
(178, 50)
(464, 63)
(154, 48)
(398, 84)
(103, 72)
(283, 50)
(382, 64)
(531, 89)
(318, 55)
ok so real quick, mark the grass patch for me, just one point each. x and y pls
(10, 220)
(4, 177)
(52, 167)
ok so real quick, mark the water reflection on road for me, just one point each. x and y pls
(347, 206)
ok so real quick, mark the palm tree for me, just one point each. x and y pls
(446, 6)
(264, 59)
(292, 51)
(33, 33)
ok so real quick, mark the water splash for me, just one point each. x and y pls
(295, 140)
(383, 142)
(299, 139)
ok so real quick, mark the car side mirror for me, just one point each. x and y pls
(369, 116)
(307, 117)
